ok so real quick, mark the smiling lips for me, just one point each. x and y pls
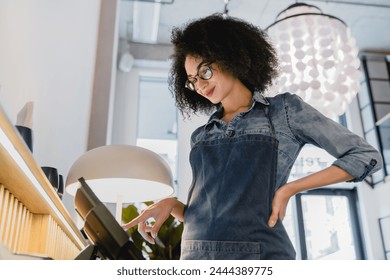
(209, 93)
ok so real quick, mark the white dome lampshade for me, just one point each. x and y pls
(122, 174)
(318, 58)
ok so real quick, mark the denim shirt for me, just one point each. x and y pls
(296, 123)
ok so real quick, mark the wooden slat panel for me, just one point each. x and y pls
(2, 190)
(8, 218)
(13, 225)
(19, 222)
(2, 199)
(26, 232)
(23, 232)
(3, 216)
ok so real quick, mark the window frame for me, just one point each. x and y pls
(374, 127)
(351, 195)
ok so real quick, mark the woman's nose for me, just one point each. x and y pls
(200, 85)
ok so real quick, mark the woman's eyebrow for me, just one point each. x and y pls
(190, 76)
(197, 69)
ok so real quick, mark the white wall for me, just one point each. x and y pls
(47, 55)
(370, 209)
(382, 195)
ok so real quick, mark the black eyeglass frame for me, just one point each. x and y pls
(190, 83)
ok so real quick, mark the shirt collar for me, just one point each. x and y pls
(257, 98)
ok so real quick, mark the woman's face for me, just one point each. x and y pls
(216, 88)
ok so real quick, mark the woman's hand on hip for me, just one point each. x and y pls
(279, 205)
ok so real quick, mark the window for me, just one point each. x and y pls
(374, 102)
(157, 120)
(328, 225)
(323, 224)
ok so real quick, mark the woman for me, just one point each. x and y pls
(241, 158)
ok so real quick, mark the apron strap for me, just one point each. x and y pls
(266, 112)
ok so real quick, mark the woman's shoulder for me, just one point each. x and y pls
(286, 101)
(274, 101)
(281, 97)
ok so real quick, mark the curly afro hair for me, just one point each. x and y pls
(234, 44)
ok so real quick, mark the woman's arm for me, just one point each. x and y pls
(327, 176)
(355, 158)
(352, 153)
(159, 211)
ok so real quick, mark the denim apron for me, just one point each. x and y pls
(229, 202)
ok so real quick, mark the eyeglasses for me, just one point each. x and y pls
(205, 72)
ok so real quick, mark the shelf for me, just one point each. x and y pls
(33, 219)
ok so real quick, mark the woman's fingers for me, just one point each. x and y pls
(157, 225)
(159, 212)
(143, 229)
(273, 218)
(129, 224)
(143, 226)
(142, 218)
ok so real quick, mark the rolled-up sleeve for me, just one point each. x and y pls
(352, 152)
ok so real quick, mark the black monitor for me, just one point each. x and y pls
(108, 239)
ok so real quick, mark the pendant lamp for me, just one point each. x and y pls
(122, 174)
(318, 58)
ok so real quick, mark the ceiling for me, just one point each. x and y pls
(369, 20)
